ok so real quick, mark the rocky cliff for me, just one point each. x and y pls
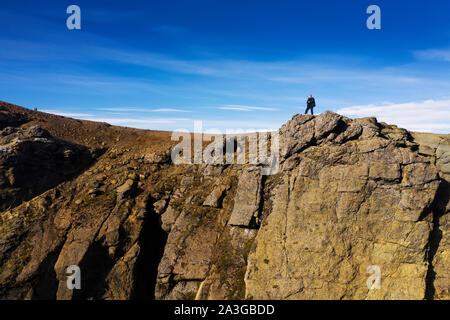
(350, 195)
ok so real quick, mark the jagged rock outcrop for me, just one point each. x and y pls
(343, 208)
(350, 194)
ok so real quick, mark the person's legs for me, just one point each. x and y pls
(312, 111)
(306, 111)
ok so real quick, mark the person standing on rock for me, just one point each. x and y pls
(310, 104)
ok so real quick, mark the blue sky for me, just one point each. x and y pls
(233, 64)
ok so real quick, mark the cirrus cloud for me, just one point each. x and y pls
(245, 108)
(433, 54)
(427, 116)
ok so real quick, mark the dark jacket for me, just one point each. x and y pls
(311, 102)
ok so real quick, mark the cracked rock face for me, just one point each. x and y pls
(332, 220)
(352, 196)
(247, 199)
(346, 207)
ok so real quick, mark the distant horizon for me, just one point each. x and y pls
(208, 130)
(233, 65)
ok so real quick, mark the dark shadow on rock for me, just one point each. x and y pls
(37, 167)
(9, 119)
(438, 209)
(94, 267)
(152, 241)
(45, 286)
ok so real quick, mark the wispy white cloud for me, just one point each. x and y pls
(279, 85)
(175, 124)
(208, 126)
(433, 54)
(157, 61)
(120, 121)
(428, 116)
(281, 75)
(303, 71)
(142, 110)
(245, 108)
(142, 122)
(67, 114)
(169, 110)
